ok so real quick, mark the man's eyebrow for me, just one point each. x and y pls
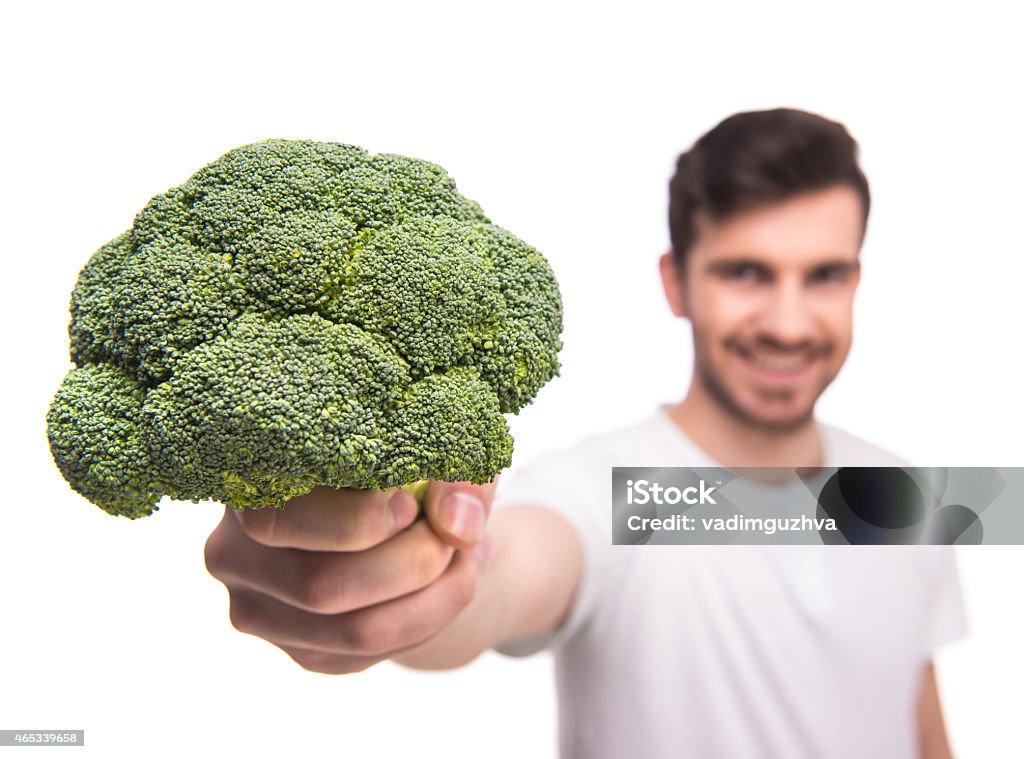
(839, 263)
(725, 265)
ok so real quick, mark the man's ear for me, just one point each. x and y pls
(672, 282)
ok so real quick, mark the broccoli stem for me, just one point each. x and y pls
(418, 490)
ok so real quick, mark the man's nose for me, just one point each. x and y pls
(787, 316)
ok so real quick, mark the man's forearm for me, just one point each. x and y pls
(525, 590)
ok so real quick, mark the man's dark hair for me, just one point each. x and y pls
(756, 158)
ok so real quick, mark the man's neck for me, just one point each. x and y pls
(733, 443)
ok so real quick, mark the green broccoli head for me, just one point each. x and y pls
(300, 314)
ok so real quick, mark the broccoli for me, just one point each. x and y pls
(298, 314)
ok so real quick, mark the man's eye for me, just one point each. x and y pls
(829, 274)
(744, 274)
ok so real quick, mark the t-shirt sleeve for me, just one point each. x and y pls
(556, 482)
(946, 619)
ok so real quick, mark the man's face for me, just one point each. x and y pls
(769, 293)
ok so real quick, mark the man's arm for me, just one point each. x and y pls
(931, 728)
(526, 589)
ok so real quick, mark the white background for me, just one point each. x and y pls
(564, 122)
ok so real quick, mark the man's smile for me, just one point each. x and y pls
(777, 366)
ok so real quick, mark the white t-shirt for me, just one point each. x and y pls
(734, 651)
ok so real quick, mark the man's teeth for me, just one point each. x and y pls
(779, 363)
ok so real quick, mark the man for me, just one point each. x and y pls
(705, 651)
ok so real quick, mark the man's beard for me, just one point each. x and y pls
(721, 395)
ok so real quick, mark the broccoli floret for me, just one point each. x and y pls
(94, 436)
(300, 314)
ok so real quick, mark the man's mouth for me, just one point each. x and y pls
(780, 363)
(777, 366)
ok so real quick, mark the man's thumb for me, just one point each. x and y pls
(458, 511)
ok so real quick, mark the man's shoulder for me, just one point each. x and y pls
(845, 449)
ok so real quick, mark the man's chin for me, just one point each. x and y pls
(773, 414)
(770, 420)
(778, 423)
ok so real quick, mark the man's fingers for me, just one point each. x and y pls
(327, 582)
(354, 520)
(368, 634)
(331, 520)
(458, 511)
(325, 663)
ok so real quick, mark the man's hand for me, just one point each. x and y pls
(343, 579)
